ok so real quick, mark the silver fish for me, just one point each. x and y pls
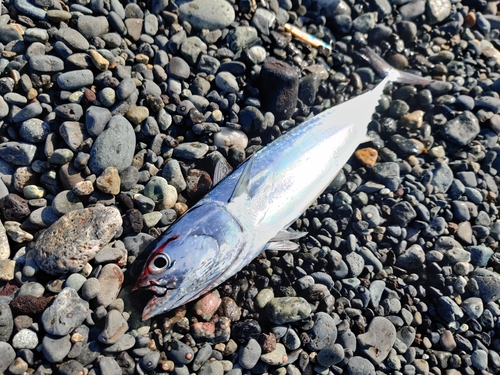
(249, 211)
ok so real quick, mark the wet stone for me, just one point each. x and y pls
(287, 309)
(179, 352)
(65, 313)
(462, 129)
(75, 239)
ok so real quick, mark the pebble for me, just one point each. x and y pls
(250, 355)
(378, 340)
(73, 240)
(282, 310)
(277, 357)
(8, 356)
(114, 327)
(217, 14)
(279, 85)
(114, 147)
(90, 288)
(323, 333)
(17, 153)
(462, 129)
(66, 312)
(75, 79)
(488, 283)
(111, 276)
(25, 339)
(55, 348)
(360, 366)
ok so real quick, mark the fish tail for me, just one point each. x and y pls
(394, 75)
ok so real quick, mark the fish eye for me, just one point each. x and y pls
(160, 263)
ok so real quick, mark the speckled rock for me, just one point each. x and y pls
(66, 312)
(73, 240)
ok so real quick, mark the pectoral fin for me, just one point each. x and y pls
(243, 184)
(282, 246)
(283, 241)
(222, 169)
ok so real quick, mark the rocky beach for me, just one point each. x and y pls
(113, 118)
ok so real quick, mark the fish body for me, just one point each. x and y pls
(248, 211)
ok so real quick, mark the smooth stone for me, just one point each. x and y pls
(30, 111)
(173, 174)
(212, 15)
(360, 366)
(323, 333)
(55, 348)
(282, 310)
(73, 39)
(75, 79)
(7, 357)
(114, 147)
(96, 119)
(65, 313)
(473, 307)
(109, 181)
(6, 320)
(378, 340)
(250, 355)
(114, 327)
(179, 352)
(277, 357)
(46, 63)
(112, 277)
(73, 240)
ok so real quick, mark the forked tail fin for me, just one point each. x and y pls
(394, 75)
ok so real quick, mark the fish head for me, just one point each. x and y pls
(174, 270)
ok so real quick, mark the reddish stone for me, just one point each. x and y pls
(29, 305)
(8, 289)
(268, 342)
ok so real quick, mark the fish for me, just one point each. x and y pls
(251, 209)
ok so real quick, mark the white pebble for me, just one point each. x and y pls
(228, 137)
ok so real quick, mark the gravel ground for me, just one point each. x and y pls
(112, 118)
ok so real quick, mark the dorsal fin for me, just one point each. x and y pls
(242, 186)
(222, 169)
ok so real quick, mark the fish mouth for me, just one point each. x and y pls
(157, 305)
(159, 287)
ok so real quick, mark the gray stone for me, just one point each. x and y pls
(66, 312)
(75, 79)
(114, 147)
(378, 340)
(17, 153)
(46, 63)
(211, 15)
